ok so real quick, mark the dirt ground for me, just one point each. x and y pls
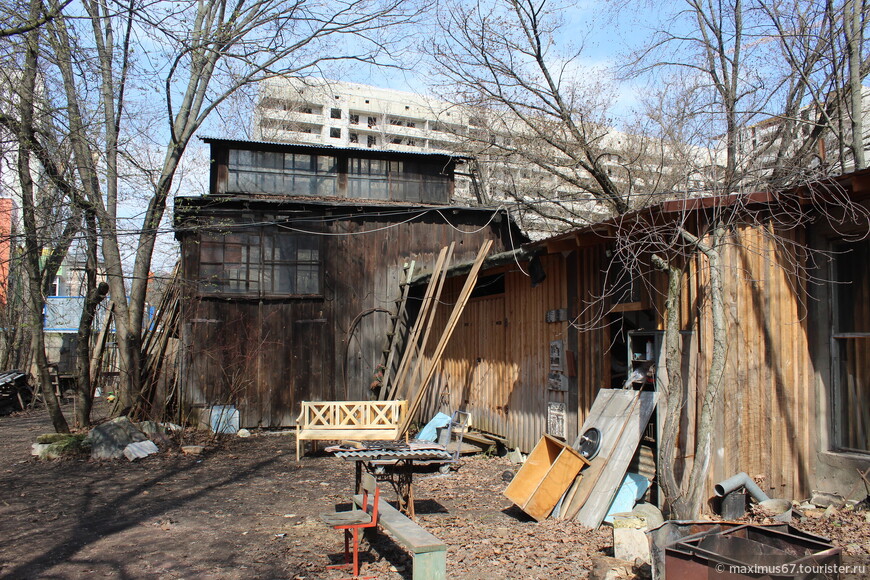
(246, 509)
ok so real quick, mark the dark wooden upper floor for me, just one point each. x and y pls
(311, 171)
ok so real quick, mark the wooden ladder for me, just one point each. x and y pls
(394, 334)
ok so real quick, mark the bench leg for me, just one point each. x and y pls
(430, 566)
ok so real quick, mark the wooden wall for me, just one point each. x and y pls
(766, 426)
(266, 356)
(495, 365)
(497, 361)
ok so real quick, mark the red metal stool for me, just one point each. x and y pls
(353, 521)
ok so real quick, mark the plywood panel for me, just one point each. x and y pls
(621, 416)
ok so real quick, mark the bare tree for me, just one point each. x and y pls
(32, 159)
(730, 115)
(11, 14)
(764, 74)
(215, 48)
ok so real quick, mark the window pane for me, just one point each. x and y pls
(285, 248)
(326, 164)
(306, 279)
(283, 279)
(211, 252)
(241, 158)
(853, 287)
(233, 254)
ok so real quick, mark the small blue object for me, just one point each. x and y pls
(430, 431)
(632, 489)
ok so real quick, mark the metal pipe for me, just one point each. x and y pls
(740, 480)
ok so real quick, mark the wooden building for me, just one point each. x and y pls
(293, 263)
(528, 358)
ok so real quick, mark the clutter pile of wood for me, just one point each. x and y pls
(414, 372)
(581, 481)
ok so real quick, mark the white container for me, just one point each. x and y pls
(224, 419)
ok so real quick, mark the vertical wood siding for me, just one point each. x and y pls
(266, 356)
(766, 422)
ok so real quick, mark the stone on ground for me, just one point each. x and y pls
(109, 440)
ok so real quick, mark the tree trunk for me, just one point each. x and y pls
(84, 388)
(674, 399)
(697, 485)
(33, 249)
(853, 29)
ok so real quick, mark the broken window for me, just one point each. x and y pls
(335, 113)
(260, 264)
(851, 347)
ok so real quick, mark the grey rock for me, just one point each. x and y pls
(151, 427)
(653, 515)
(108, 441)
(824, 499)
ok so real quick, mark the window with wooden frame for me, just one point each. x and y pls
(274, 172)
(261, 264)
(851, 347)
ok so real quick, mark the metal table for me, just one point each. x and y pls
(396, 460)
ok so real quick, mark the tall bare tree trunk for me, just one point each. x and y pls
(674, 399)
(696, 489)
(33, 249)
(853, 28)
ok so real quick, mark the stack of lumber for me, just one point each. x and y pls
(415, 371)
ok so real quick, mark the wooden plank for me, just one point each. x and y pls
(411, 344)
(621, 416)
(421, 349)
(413, 537)
(448, 331)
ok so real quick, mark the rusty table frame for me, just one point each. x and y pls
(397, 466)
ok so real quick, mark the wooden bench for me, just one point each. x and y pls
(429, 553)
(356, 420)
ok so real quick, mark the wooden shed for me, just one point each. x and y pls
(293, 262)
(536, 343)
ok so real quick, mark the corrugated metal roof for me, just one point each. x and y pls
(381, 454)
(366, 150)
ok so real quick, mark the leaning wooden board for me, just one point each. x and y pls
(621, 416)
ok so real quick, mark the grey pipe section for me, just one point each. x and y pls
(740, 480)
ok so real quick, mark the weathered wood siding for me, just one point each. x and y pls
(267, 355)
(766, 426)
(496, 364)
